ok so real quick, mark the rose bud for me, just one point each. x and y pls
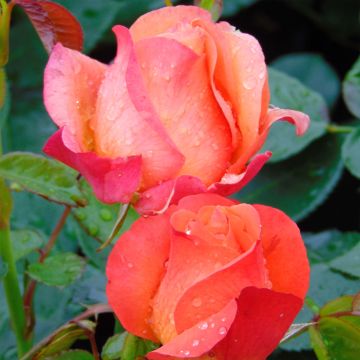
(182, 110)
(209, 279)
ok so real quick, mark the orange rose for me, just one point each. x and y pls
(181, 110)
(209, 278)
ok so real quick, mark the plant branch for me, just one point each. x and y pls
(29, 294)
(10, 281)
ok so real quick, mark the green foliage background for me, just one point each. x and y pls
(307, 176)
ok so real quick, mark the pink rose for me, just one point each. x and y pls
(182, 110)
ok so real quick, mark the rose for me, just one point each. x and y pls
(181, 110)
(209, 277)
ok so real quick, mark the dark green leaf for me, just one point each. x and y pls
(289, 93)
(113, 346)
(98, 219)
(24, 70)
(58, 270)
(299, 185)
(75, 355)
(348, 263)
(351, 89)
(313, 71)
(233, 6)
(42, 176)
(351, 151)
(96, 17)
(25, 241)
(327, 245)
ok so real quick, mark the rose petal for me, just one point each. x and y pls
(288, 274)
(113, 180)
(188, 264)
(262, 318)
(71, 83)
(199, 339)
(219, 287)
(178, 85)
(297, 118)
(232, 183)
(134, 270)
(162, 20)
(124, 129)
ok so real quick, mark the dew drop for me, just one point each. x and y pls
(212, 325)
(186, 352)
(195, 343)
(203, 326)
(215, 146)
(130, 265)
(222, 330)
(223, 319)
(188, 231)
(261, 75)
(172, 66)
(249, 83)
(197, 302)
(282, 315)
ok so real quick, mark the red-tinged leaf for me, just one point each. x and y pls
(53, 23)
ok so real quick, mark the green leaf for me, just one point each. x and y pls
(61, 339)
(343, 303)
(58, 270)
(134, 346)
(327, 245)
(289, 93)
(351, 89)
(299, 185)
(340, 338)
(75, 355)
(233, 6)
(96, 17)
(325, 285)
(351, 151)
(42, 176)
(318, 344)
(98, 219)
(25, 241)
(113, 346)
(313, 71)
(348, 263)
(3, 268)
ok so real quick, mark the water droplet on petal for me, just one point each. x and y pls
(249, 83)
(195, 343)
(222, 330)
(215, 146)
(203, 326)
(197, 302)
(261, 75)
(223, 319)
(130, 265)
(188, 231)
(186, 352)
(282, 315)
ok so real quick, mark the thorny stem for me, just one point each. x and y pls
(29, 294)
(10, 280)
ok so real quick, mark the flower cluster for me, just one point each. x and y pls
(172, 125)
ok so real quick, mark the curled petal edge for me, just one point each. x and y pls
(113, 180)
(157, 199)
